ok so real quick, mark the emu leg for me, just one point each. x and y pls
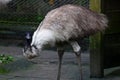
(60, 55)
(78, 55)
(77, 52)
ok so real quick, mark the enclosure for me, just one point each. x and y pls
(21, 16)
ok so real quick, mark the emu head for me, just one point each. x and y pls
(30, 51)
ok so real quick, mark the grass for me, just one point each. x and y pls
(3, 70)
(4, 59)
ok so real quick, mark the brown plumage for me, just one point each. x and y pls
(67, 23)
(73, 21)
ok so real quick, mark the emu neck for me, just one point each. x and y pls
(42, 38)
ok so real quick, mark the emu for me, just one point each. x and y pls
(66, 24)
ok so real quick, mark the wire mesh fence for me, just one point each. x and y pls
(33, 10)
(21, 16)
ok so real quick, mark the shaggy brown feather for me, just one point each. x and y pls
(73, 21)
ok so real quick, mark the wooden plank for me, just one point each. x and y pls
(96, 57)
(112, 37)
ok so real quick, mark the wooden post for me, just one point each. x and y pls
(96, 57)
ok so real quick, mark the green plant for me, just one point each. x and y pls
(4, 59)
(40, 18)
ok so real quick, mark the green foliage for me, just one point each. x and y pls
(4, 59)
(3, 70)
(21, 17)
(40, 18)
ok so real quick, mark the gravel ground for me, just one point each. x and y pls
(44, 67)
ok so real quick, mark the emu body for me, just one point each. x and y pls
(68, 23)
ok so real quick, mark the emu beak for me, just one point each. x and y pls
(29, 53)
(30, 56)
